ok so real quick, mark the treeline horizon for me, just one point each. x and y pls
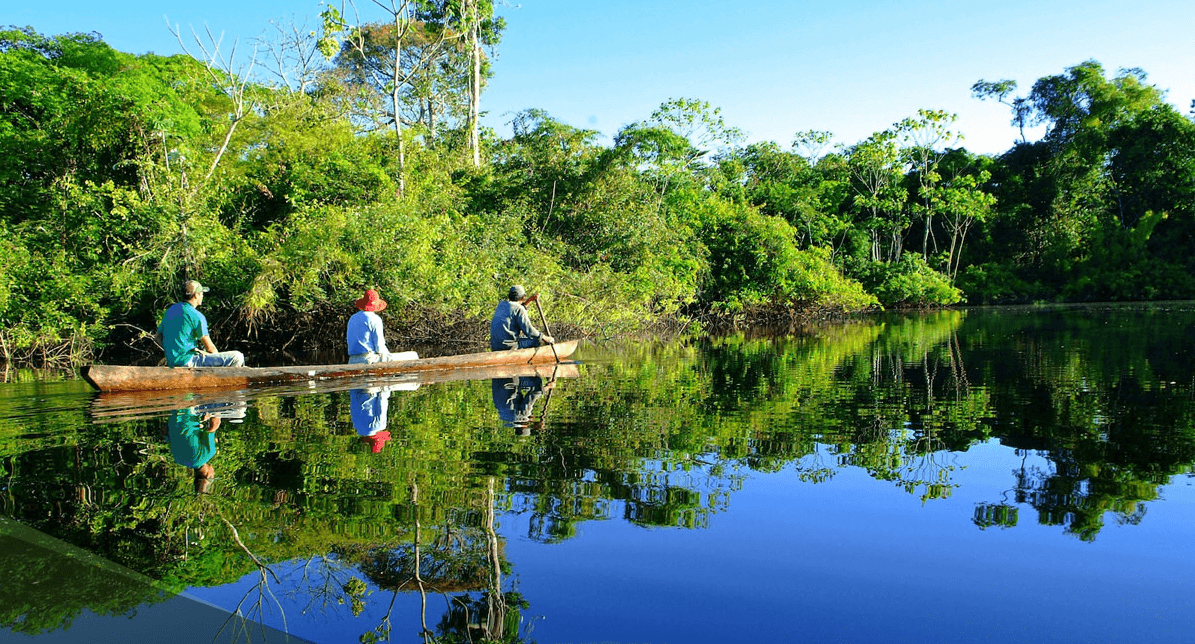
(351, 157)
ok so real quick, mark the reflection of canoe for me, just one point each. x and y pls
(117, 378)
(121, 406)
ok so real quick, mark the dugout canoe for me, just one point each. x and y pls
(122, 378)
(123, 406)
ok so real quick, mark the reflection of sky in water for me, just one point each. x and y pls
(849, 560)
(854, 560)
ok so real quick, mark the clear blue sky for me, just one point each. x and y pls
(775, 67)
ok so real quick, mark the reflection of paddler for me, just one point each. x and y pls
(368, 409)
(193, 444)
(514, 399)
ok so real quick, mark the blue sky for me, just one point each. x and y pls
(774, 67)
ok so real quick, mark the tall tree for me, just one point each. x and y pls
(876, 176)
(229, 76)
(961, 201)
(1059, 199)
(678, 140)
(805, 193)
(373, 55)
(1001, 90)
(474, 24)
(923, 141)
(293, 55)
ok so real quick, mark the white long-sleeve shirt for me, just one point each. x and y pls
(365, 334)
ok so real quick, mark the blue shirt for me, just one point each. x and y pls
(365, 334)
(510, 322)
(182, 328)
(514, 398)
(368, 411)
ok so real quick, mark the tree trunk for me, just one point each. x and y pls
(395, 101)
(474, 85)
(431, 120)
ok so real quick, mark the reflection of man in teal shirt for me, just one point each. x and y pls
(193, 444)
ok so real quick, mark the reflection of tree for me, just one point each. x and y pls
(1077, 497)
(242, 618)
(1106, 426)
(326, 581)
(897, 400)
(988, 515)
(890, 400)
(464, 563)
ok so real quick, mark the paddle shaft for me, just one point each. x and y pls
(548, 400)
(544, 321)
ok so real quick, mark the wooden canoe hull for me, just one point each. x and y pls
(120, 378)
(123, 406)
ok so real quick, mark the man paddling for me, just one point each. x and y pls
(184, 337)
(511, 327)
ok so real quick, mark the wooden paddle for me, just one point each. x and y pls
(543, 320)
(543, 416)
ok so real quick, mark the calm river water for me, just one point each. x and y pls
(1003, 475)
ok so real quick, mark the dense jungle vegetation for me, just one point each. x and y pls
(350, 157)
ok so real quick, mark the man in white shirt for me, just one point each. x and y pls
(365, 336)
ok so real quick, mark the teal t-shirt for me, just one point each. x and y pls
(190, 444)
(182, 328)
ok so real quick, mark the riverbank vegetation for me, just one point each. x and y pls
(326, 164)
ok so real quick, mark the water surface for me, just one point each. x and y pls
(1003, 475)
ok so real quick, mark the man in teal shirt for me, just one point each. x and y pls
(184, 337)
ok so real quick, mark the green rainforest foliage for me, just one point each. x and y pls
(292, 184)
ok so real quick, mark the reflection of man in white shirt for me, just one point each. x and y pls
(365, 335)
(369, 408)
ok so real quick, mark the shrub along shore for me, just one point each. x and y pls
(123, 175)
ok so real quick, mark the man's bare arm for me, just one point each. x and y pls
(208, 345)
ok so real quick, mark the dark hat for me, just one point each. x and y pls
(371, 301)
